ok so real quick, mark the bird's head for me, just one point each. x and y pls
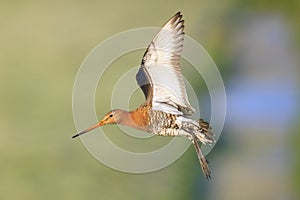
(112, 117)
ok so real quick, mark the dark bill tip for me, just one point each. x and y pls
(85, 131)
(74, 136)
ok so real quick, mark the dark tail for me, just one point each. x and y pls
(206, 130)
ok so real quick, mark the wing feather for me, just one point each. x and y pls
(160, 76)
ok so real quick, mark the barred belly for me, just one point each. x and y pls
(164, 124)
(167, 124)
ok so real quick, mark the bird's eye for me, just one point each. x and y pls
(111, 115)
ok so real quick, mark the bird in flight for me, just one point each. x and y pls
(166, 110)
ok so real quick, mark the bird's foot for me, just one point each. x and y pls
(205, 168)
(203, 161)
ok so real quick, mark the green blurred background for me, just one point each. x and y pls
(255, 44)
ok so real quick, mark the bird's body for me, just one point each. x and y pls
(166, 109)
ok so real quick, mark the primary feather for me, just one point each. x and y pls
(160, 75)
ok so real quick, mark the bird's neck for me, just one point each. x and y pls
(135, 119)
(140, 118)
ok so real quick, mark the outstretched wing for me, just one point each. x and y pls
(160, 75)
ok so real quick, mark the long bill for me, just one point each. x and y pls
(87, 130)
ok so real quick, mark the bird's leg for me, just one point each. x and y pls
(203, 161)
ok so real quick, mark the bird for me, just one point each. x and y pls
(166, 110)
